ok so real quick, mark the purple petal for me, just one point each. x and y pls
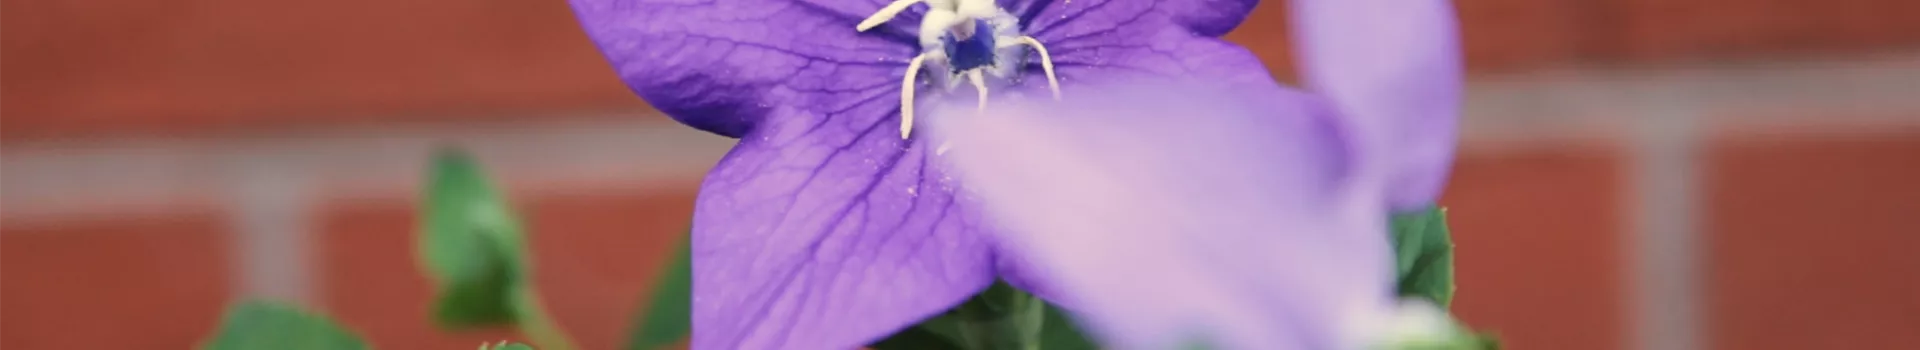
(722, 66)
(1211, 18)
(1394, 65)
(1174, 212)
(823, 231)
(1092, 41)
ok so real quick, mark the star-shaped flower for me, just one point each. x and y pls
(832, 223)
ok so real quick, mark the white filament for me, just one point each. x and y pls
(979, 80)
(906, 95)
(1046, 62)
(885, 14)
(955, 17)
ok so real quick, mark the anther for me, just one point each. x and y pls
(906, 95)
(1046, 62)
(885, 14)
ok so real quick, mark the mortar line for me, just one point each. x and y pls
(271, 209)
(1664, 250)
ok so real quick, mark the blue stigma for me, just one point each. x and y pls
(974, 52)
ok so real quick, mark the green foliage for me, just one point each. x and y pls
(666, 319)
(258, 325)
(504, 345)
(1001, 317)
(923, 337)
(1423, 250)
(1423, 256)
(472, 245)
(1061, 333)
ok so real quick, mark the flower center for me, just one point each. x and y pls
(974, 52)
(963, 39)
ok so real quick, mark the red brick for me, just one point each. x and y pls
(1539, 237)
(1499, 35)
(1514, 35)
(595, 256)
(1678, 30)
(79, 67)
(1265, 33)
(1813, 239)
(599, 255)
(146, 283)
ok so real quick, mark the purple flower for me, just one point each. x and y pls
(832, 223)
(1247, 220)
(1392, 68)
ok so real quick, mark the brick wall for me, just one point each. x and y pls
(86, 68)
(1677, 203)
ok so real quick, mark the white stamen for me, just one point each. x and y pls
(955, 18)
(976, 9)
(1046, 62)
(906, 95)
(934, 24)
(885, 14)
(979, 79)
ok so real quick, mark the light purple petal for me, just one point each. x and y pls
(1394, 66)
(1175, 212)
(724, 65)
(1093, 42)
(821, 231)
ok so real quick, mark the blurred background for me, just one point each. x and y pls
(1635, 174)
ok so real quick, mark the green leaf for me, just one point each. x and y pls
(471, 245)
(1423, 249)
(258, 325)
(920, 337)
(1001, 317)
(667, 317)
(503, 345)
(1486, 341)
(1061, 333)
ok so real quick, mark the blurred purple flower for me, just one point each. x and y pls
(1189, 212)
(1392, 68)
(1246, 219)
(824, 228)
